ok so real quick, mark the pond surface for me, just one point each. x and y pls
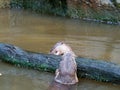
(39, 33)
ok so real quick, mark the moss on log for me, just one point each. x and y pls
(87, 68)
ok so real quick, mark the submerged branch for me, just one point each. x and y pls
(87, 68)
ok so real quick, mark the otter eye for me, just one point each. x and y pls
(56, 51)
(62, 53)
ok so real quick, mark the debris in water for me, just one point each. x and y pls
(0, 74)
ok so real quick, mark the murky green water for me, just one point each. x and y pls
(39, 33)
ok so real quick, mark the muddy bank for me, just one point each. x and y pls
(104, 11)
(4, 3)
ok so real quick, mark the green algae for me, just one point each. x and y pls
(25, 64)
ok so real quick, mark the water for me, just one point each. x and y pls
(14, 78)
(39, 33)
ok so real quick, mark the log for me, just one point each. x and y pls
(88, 68)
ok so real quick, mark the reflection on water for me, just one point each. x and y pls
(57, 86)
(39, 33)
(14, 78)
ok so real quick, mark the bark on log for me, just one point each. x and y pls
(87, 68)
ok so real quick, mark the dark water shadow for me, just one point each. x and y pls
(57, 86)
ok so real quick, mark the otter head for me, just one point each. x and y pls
(60, 48)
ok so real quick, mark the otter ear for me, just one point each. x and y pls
(58, 43)
(51, 50)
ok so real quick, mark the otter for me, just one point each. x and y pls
(67, 71)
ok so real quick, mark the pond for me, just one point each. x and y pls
(38, 33)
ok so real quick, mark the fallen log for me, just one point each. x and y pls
(87, 68)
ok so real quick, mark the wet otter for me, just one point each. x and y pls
(60, 48)
(66, 73)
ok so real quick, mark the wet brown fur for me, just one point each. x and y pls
(66, 73)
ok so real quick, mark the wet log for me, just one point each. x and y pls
(92, 69)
